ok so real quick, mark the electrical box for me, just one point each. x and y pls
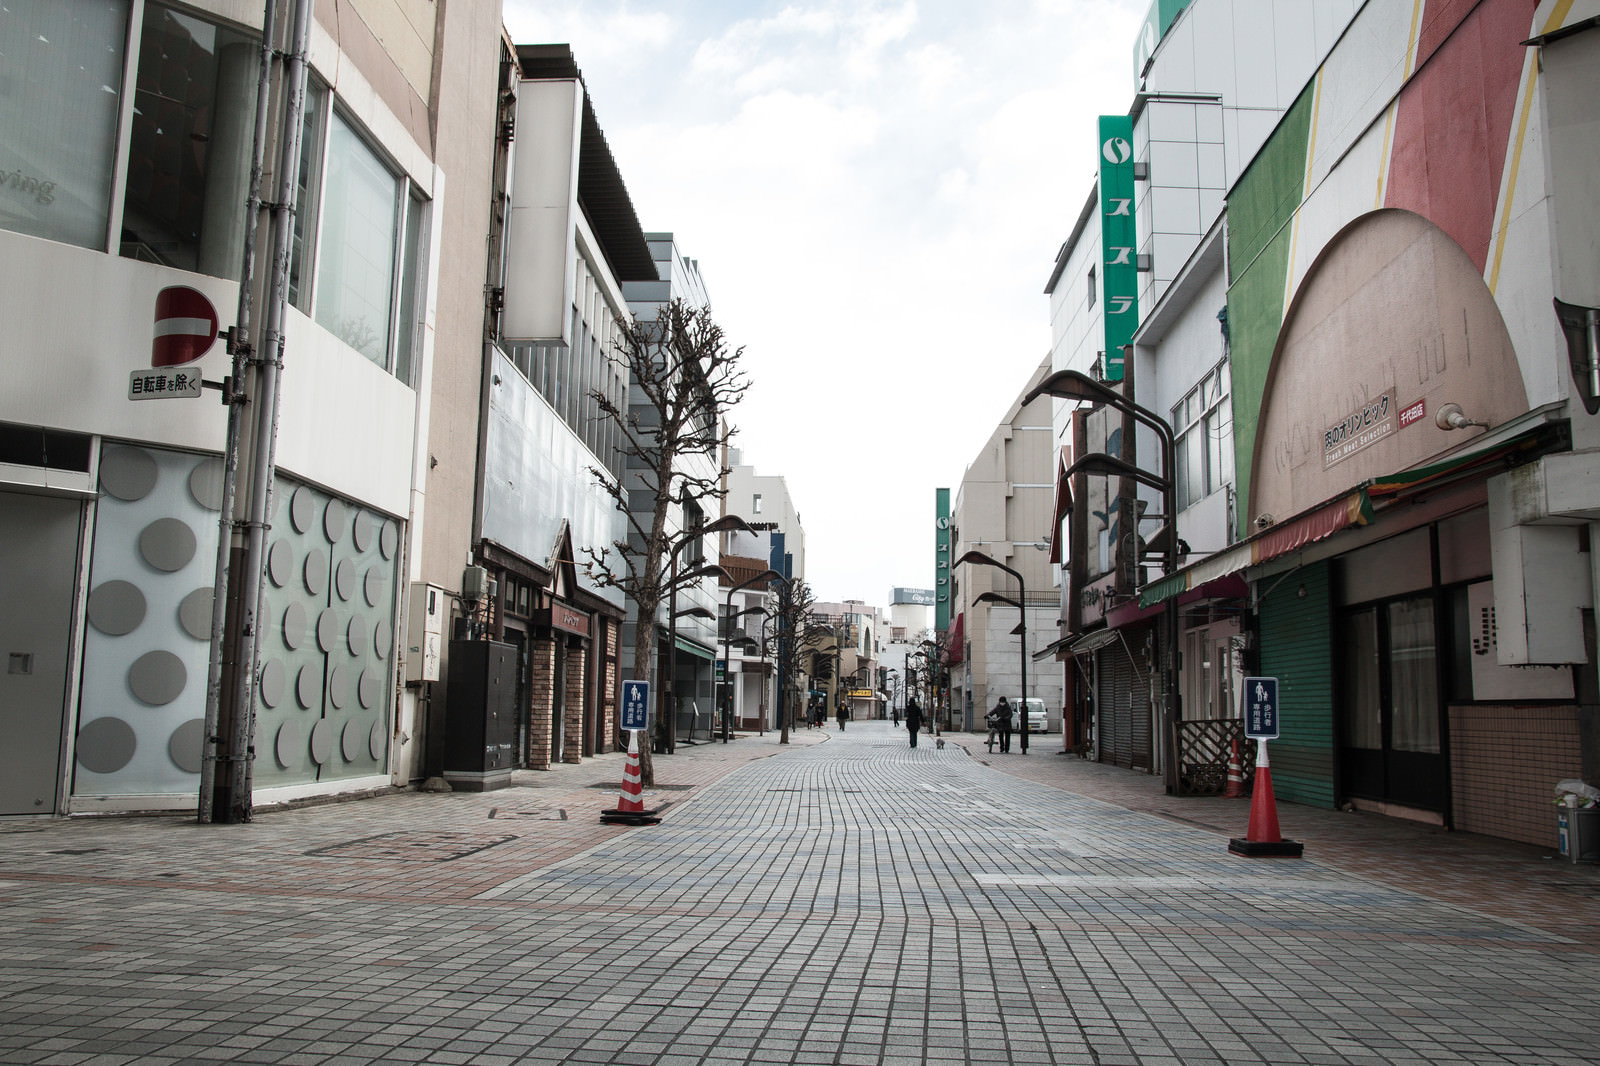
(474, 583)
(425, 633)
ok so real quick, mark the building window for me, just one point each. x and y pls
(361, 237)
(189, 144)
(1093, 287)
(755, 504)
(62, 67)
(1203, 427)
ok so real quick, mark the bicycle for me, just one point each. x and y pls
(994, 732)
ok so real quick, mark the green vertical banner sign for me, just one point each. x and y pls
(941, 561)
(1119, 263)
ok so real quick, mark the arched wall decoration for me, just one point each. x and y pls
(1392, 321)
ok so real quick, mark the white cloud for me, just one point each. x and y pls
(876, 193)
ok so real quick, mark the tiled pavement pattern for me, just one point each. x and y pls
(848, 900)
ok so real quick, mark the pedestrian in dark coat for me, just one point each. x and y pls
(1002, 718)
(913, 720)
(844, 716)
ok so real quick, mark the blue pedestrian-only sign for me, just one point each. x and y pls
(1261, 708)
(635, 705)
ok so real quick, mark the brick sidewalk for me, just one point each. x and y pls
(1513, 881)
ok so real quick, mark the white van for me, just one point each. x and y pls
(1038, 718)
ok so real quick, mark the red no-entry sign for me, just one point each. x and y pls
(185, 327)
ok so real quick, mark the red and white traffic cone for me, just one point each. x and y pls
(1235, 787)
(630, 808)
(1262, 838)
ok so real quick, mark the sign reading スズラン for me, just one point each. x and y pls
(1119, 268)
(1360, 429)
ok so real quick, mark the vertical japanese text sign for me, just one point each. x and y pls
(1118, 239)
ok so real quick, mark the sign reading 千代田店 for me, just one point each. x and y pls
(1365, 426)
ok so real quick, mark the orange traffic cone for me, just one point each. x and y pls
(1261, 838)
(1235, 787)
(630, 805)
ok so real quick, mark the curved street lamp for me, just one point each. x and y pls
(768, 576)
(980, 559)
(1076, 385)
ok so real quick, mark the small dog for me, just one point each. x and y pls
(938, 742)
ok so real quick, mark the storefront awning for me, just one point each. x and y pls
(696, 649)
(955, 645)
(1324, 520)
(1093, 640)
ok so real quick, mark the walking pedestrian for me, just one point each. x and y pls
(844, 716)
(1002, 717)
(897, 717)
(913, 719)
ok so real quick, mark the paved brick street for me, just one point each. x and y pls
(842, 900)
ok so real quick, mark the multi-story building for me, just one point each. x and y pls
(909, 624)
(856, 636)
(1002, 510)
(1211, 81)
(565, 240)
(1403, 370)
(126, 236)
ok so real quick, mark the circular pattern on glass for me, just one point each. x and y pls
(127, 473)
(375, 740)
(373, 586)
(388, 540)
(308, 687)
(280, 563)
(157, 677)
(273, 679)
(106, 745)
(339, 687)
(361, 531)
(294, 626)
(321, 741)
(302, 509)
(185, 745)
(205, 484)
(194, 613)
(351, 739)
(381, 638)
(167, 544)
(327, 629)
(367, 688)
(333, 521)
(116, 607)
(344, 579)
(356, 636)
(316, 572)
(287, 746)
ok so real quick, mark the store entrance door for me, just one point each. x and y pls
(38, 564)
(1390, 748)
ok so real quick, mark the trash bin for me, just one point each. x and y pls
(1578, 833)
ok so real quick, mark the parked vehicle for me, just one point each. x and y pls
(1038, 717)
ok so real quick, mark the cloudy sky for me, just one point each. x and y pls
(875, 192)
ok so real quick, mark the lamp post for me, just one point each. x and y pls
(1022, 629)
(931, 652)
(1075, 385)
(980, 559)
(690, 536)
(768, 576)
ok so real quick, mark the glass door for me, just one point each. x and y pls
(1390, 746)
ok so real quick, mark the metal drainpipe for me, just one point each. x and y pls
(267, 369)
(238, 347)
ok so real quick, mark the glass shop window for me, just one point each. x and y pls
(61, 67)
(189, 144)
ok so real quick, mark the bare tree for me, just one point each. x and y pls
(792, 626)
(673, 434)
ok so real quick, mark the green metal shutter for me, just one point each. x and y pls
(1297, 649)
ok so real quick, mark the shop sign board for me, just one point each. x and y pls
(1261, 708)
(1361, 428)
